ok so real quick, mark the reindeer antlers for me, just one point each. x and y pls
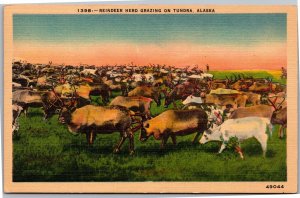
(273, 103)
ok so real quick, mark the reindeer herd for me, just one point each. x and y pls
(193, 102)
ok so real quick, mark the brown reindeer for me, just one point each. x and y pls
(172, 123)
(279, 115)
(147, 91)
(93, 120)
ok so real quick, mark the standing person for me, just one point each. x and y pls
(283, 72)
(207, 68)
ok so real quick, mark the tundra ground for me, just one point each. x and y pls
(46, 151)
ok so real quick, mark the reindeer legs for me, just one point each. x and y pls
(281, 131)
(90, 137)
(174, 139)
(122, 139)
(25, 111)
(284, 128)
(131, 143)
(239, 151)
(124, 135)
(223, 146)
(196, 137)
(164, 141)
(174, 105)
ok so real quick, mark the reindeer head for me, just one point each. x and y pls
(277, 106)
(67, 108)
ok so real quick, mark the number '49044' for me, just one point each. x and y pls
(275, 186)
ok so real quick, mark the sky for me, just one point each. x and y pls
(224, 41)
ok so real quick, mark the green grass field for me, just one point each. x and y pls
(46, 151)
(274, 75)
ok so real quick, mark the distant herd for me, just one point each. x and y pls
(107, 99)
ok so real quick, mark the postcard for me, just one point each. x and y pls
(150, 99)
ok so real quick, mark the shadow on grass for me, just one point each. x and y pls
(155, 150)
(35, 114)
(83, 147)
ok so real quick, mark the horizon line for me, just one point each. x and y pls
(149, 65)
